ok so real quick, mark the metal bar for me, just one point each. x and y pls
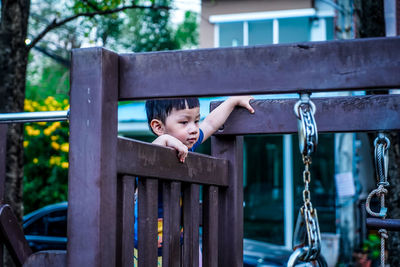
(21, 117)
(144, 159)
(334, 114)
(171, 249)
(388, 224)
(358, 64)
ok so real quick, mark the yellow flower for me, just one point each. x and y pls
(64, 165)
(35, 160)
(26, 143)
(54, 137)
(65, 101)
(42, 123)
(65, 147)
(55, 145)
(54, 160)
(47, 131)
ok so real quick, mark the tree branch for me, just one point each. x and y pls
(55, 24)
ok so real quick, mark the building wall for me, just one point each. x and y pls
(219, 7)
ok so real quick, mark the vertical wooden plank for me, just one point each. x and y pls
(147, 222)
(171, 250)
(125, 220)
(230, 246)
(210, 226)
(92, 184)
(191, 219)
(3, 152)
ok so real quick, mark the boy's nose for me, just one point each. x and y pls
(193, 129)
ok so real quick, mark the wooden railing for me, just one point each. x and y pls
(103, 167)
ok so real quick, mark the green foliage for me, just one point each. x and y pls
(187, 35)
(372, 246)
(46, 157)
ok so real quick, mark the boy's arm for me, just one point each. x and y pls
(218, 116)
(170, 141)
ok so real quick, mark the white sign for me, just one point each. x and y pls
(345, 184)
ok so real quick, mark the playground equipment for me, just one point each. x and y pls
(103, 167)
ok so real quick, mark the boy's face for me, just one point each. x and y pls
(184, 125)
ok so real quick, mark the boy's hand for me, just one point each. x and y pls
(170, 141)
(242, 101)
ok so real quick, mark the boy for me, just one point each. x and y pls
(176, 122)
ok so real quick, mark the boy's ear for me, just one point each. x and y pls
(157, 126)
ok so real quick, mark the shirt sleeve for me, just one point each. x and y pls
(199, 141)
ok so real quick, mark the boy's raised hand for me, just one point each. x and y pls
(170, 141)
(242, 101)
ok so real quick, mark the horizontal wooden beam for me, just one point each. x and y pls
(148, 160)
(334, 114)
(314, 66)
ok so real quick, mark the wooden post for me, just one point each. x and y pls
(3, 157)
(230, 201)
(93, 152)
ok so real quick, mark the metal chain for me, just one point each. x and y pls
(308, 247)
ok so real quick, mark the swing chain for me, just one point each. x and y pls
(382, 145)
(307, 239)
(304, 110)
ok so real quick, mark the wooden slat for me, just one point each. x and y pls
(125, 220)
(56, 258)
(230, 239)
(13, 236)
(285, 68)
(171, 225)
(335, 114)
(144, 159)
(3, 156)
(147, 222)
(92, 182)
(191, 220)
(210, 226)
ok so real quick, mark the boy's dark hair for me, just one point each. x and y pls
(160, 108)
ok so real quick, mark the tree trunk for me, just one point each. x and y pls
(371, 23)
(13, 63)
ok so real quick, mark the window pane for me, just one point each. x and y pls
(263, 189)
(260, 32)
(230, 34)
(330, 27)
(38, 227)
(294, 30)
(57, 223)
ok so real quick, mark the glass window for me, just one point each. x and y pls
(57, 223)
(330, 29)
(38, 227)
(294, 30)
(263, 188)
(231, 34)
(260, 32)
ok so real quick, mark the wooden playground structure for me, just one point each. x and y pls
(103, 166)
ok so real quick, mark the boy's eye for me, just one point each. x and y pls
(183, 122)
(196, 121)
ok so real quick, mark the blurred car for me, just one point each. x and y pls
(46, 228)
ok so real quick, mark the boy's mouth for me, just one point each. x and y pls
(192, 140)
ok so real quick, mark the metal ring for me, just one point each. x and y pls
(299, 103)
